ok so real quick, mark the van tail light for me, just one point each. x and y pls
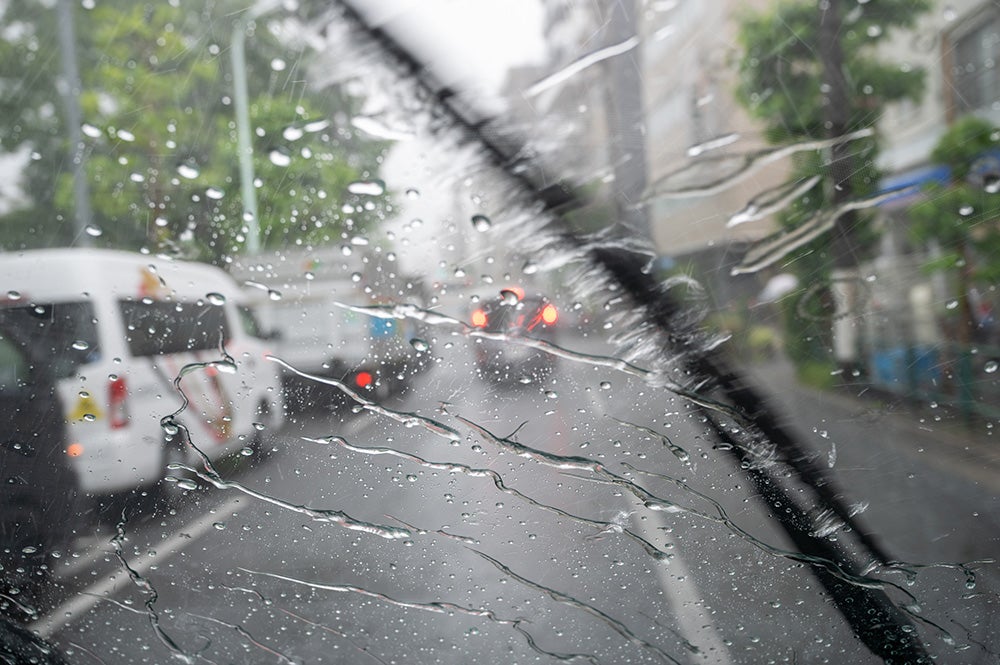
(549, 314)
(117, 403)
(479, 318)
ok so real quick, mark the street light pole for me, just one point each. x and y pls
(70, 89)
(243, 138)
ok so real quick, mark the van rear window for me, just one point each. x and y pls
(62, 335)
(161, 327)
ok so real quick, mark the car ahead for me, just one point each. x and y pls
(38, 488)
(505, 330)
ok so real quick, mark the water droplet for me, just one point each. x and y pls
(137, 177)
(529, 268)
(360, 241)
(91, 131)
(81, 345)
(309, 276)
(991, 184)
(551, 394)
(874, 30)
(187, 484)
(991, 367)
(316, 125)
(219, 526)
(412, 478)
(13, 295)
(246, 452)
(965, 211)
(419, 344)
(225, 367)
(273, 295)
(481, 223)
(509, 296)
(125, 135)
(188, 171)
(214, 193)
(605, 385)
(952, 304)
(355, 277)
(949, 13)
(279, 157)
(346, 250)
(260, 427)
(278, 65)
(89, 417)
(215, 298)
(292, 133)
(412, 193)
(93, 230)
(367, 187)
(160, 222)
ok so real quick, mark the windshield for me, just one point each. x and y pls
(522, 331)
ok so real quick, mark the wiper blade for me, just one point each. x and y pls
(876, 620)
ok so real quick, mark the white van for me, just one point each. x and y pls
(119, 328)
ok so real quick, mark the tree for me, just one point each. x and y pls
(161, 139)
(962, 215)
(811, 73)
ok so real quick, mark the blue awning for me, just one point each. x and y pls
(909, 184)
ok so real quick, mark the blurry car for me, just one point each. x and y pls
(508, 324)
(38, 489)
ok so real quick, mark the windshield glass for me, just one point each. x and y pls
(521, 331)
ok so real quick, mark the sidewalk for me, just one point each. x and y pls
(934, 434)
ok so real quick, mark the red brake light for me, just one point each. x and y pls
(479, 318)
(549, 314)
(117, 403)
(363, 379)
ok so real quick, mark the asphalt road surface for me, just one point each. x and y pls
(420, 557)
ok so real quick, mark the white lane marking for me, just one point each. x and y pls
(685, 602)
(679, 588)
(75, 607)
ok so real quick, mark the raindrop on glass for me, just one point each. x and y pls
(125, 135)
(216, 298)
(91, 131)
(214, 193)
(13, 295)
(367, 187)
(481, 223)
(965, 211)
(279, 158)
(278, 65)
(273, 295)
(991, 367)
(292, 133)
(419, 344)
(81, 345)
(188, 171)
(93, 231)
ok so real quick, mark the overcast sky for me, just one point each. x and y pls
(472, 42)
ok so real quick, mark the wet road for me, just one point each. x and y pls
(500, 526)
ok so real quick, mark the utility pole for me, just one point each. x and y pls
(844, 276)
(70, 89)
(626, 121)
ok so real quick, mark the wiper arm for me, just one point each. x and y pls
(877, 621)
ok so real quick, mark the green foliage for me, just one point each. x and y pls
(161, 136)
(781, 77)
(962, 216)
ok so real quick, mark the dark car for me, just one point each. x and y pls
(38, 489)
(511, 328)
